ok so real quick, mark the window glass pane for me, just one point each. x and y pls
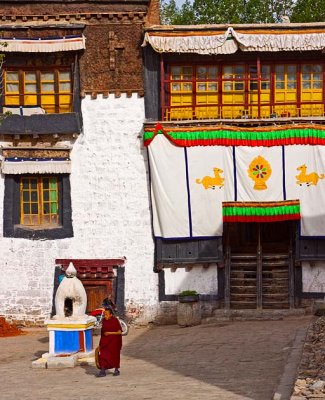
(239, 69)
(53, 195)
(187, 87)
(33, 183)
(292, 69)
(26, 196)
(279, 69)
(317, 77)
(227, 71)
(176, 87)
(45, 183)
(12, 76)
(25, 184)
(65, 87)
(212, 73)
(187, 71)
(265, 69)
(317, 68)
(201, 72)
(30, 88)
(47, 76)
(34, 208)
(46, 208)
(280, 77)
(306, 85)
(291, 85)
(253, 71)
(176, 70)
(201, 87)
(306, 77)
(212, 87)
(46, 195)
(26, 208)
(47, 87)
(253, 86)
(228, 86)
(12, 87)
(30, 76)
(317, 85)
(64, 75)
(239, 86)
(279, 85)
(53, 183)
(34, 196)
(54, 208)
(265, 85)
(306, 69)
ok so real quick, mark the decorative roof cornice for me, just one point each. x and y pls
(106, 93)
(88, 18)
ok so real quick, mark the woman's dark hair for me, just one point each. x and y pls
(109, 309)
(107, 303)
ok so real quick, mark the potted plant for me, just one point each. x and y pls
(188, 296)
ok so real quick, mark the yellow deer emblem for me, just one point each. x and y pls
(309, 179)
(210, 182)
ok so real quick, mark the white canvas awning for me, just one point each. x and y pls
(36, 167)
(41, 45)
(195, 43)
(229, 42)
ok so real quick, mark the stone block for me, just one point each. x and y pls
(189, 314)
(40, 363)
(62, 362)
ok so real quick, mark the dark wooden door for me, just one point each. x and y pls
(95, 296)
(259, 265)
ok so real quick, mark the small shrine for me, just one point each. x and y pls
(70, 329)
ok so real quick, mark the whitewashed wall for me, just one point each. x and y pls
(110, 211)
(313, 277)
(202, 279)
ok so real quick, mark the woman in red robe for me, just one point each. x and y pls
(110, 344)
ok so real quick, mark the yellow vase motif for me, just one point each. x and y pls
(259, 171)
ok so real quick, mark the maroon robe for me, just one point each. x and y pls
(110, 346)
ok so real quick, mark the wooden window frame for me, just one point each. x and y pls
(12, 226)
(28, 219)
(39, 95)
(166, 81)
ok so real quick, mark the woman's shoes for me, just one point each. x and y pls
(116, 372)
(101, 373)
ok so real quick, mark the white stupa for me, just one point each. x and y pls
(70, 329)
(71, 297)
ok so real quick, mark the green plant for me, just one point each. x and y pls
(188, 293)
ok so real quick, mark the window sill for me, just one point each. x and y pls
(50, 233)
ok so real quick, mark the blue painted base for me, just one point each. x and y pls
(74, 341)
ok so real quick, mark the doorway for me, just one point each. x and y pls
(259, 260)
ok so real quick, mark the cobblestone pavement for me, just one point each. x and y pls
(242, 360)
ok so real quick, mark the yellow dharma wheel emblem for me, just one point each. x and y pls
(259, 171)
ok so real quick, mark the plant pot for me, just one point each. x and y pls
(189, 299)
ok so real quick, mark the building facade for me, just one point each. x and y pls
(74, 183)
(235, 136)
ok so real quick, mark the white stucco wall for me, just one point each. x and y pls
(202, 279)
(110, 212)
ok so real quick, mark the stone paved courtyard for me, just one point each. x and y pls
(222, 361)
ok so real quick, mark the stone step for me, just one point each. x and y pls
(254, 314)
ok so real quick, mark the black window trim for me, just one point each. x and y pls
(11, 212)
